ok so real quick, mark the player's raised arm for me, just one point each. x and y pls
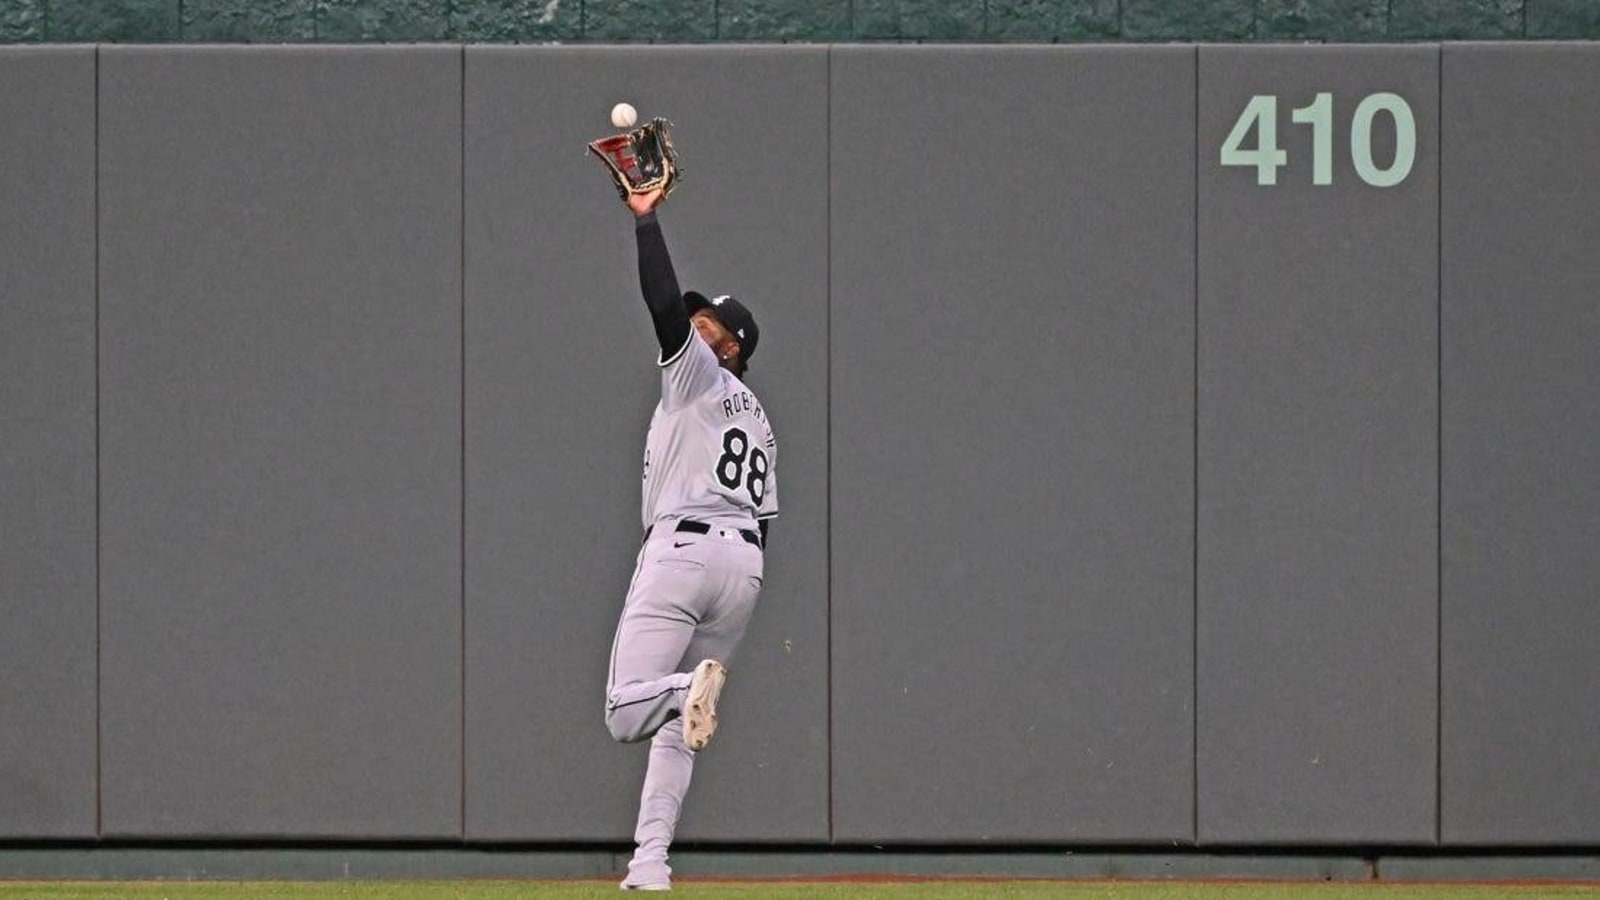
(657, 280)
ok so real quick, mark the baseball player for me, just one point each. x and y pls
(710, 489)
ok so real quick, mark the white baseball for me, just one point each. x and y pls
(623, 115)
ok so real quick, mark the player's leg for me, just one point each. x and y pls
(717, 638)
(666, 781)
(645, 688)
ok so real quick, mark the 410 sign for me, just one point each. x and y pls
(1261, 115)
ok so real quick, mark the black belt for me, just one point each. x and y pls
(693, 527)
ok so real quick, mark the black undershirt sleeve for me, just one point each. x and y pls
(660, 287)
(763, 526)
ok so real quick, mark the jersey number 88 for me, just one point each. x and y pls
(731, 465)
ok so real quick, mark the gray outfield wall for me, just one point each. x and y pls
(1127, 499)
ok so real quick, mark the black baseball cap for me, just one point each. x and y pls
(733, 315)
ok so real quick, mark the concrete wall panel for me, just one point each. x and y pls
(47, 443)
(1012, 336)
(1521, 446)
(1317, 460)
(561, 380)
(281, 358)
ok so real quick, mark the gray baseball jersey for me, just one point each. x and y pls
(710, 454)
(710, 461)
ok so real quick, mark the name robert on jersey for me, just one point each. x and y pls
(742, 402)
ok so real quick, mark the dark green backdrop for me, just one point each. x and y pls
(698, 21)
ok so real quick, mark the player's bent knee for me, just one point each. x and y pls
(622, 728)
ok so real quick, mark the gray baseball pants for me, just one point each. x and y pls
(691, 598)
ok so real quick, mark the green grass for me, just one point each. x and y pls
(956, 890)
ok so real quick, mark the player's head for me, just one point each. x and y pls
(727, 326)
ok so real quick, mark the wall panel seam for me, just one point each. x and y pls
(99, 779)
(827, 393)
(1194, 474)
(1438, 470)
(461, 559)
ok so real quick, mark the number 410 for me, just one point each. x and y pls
(1261, 113)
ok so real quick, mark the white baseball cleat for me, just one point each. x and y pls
(655, 886)
(700, 707)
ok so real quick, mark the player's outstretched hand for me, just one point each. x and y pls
(642, 204)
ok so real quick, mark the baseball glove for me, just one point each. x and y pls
(641, 160)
